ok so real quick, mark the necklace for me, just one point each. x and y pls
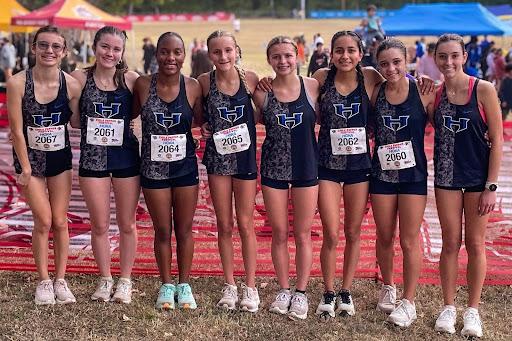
(104, 85)
(451, 92)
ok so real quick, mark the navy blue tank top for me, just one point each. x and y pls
(461, 154)
(398, 123)
(162, 118)
(338, 111)
(55, 113)
(223, 112)
(290, 150)
(115, 104)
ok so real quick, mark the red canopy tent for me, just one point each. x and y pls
(71, 14)
(77, 14)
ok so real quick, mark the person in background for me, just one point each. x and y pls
(499, 67)
(474, 52)
(483, 59)
(149, 54)
(426, 65)
(318, 60)
(8, 58)
(301, 57)
(505, 92)
(489, 61)
(200, 63)
(372, 27)
(419, 51)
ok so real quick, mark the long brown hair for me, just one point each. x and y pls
(121, 67)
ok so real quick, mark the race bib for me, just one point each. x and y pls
(168, 148)
(105, 131)
(348, 141)
(232, 140)
(396, 156)
(47, 139)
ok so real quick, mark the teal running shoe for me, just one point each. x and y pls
(185, 298)
(165, 298)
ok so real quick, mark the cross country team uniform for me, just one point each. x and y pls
(343, 138)
(107, 145)
(45, 131)
(168, 150)
(461, 154)
(232, 148)
(289, 153)
(399, 164)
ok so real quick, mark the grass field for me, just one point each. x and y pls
(254, 35)
(86, 320)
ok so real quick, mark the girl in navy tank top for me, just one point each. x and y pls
(344, 157)
(43, 154)
(230, 160)
(399, 172)
(109, 156)
(289, 156)
(169, 103)
(466, 176)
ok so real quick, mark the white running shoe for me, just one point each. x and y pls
(282, 302)
(404, 314)
(472, 323)
(103, 290)
(299, 306)
(62, 292)
(229, 297)
(345, 304)
(250, 299)
(327, 304)
(387, 299)
(445, 323)
(123, 292)
(45, 293)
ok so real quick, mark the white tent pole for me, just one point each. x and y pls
(133, 49)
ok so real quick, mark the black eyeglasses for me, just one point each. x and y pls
(44, 45)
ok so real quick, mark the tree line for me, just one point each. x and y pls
(244, 7)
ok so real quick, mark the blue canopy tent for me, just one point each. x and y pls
(503, 12)
(500, 10)
(440, 18)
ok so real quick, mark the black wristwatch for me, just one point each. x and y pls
(491, 186)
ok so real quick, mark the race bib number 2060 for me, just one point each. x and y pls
(396, 156)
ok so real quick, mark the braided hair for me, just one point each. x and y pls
(333, 69)
(241, 72)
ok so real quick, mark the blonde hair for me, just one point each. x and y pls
(241, 72)
(281, 40)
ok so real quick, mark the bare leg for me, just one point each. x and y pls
(304, 200)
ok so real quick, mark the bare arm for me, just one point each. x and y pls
(74, 94)
(195, 98)
(259, 100)
(15, 92)
(313, 89)
(140, 94)
(489, 102)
